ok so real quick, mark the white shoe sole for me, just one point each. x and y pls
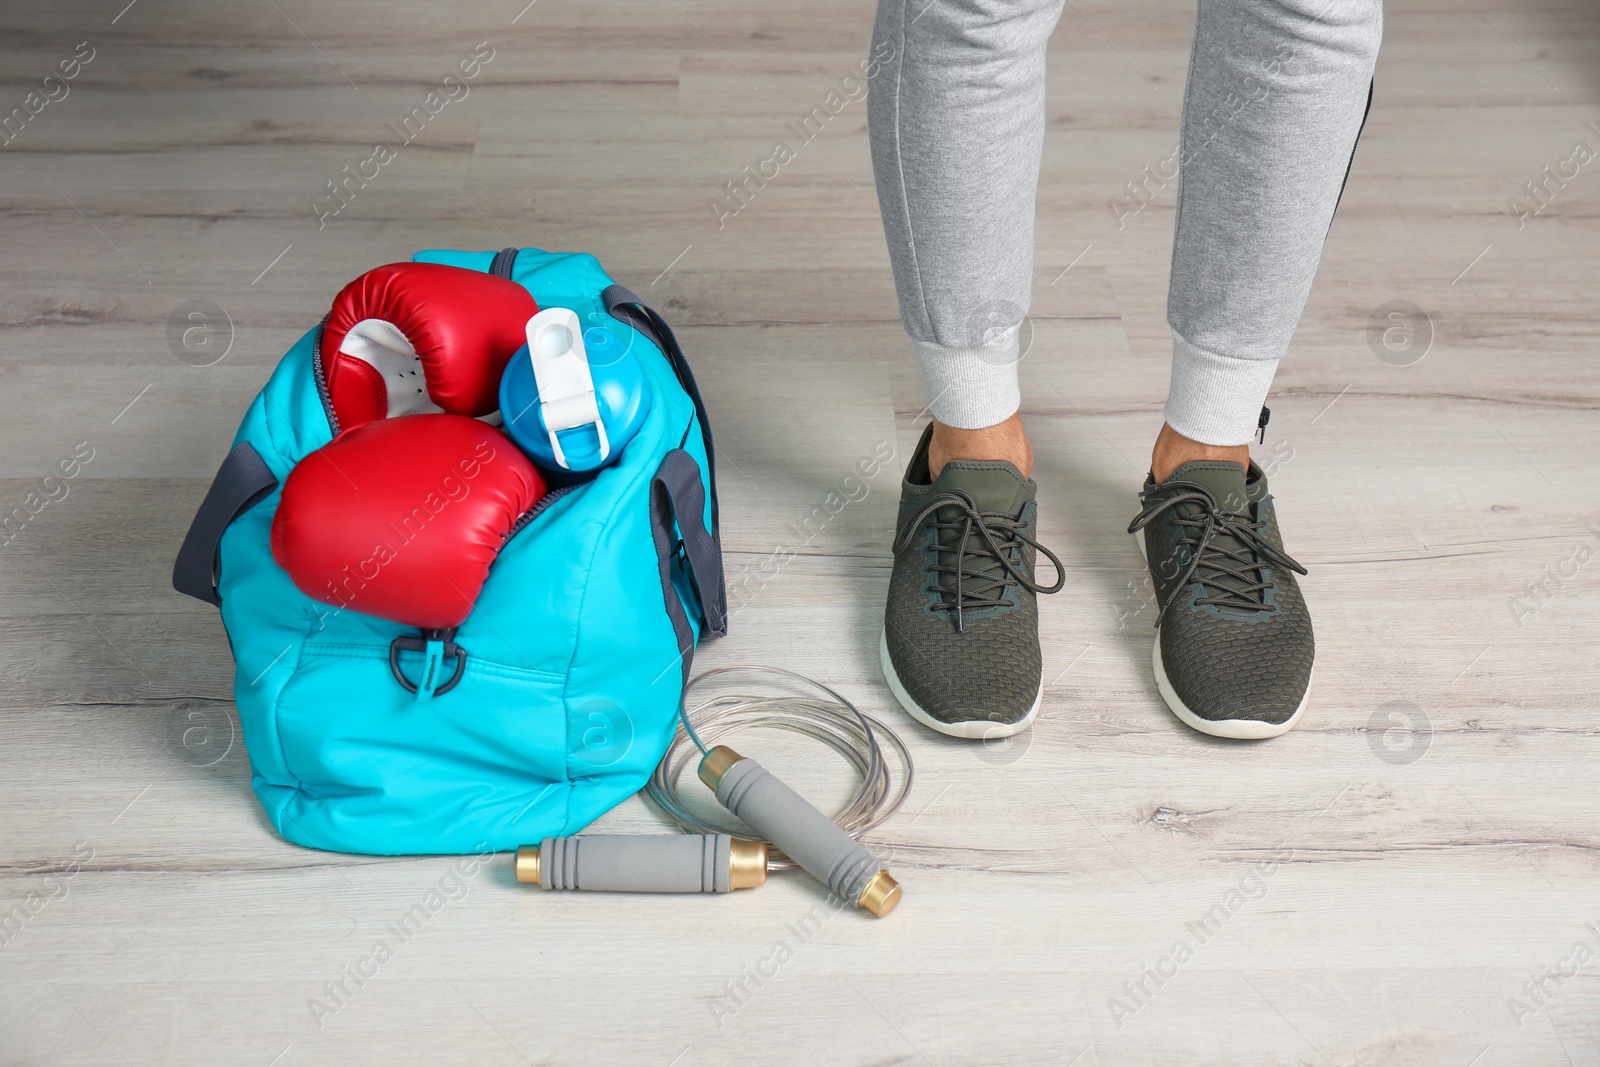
(976, 729)
(1238, 729)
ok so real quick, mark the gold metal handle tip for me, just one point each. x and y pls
(747, 863)
(881, 895)
(716, 763)
(528, 864)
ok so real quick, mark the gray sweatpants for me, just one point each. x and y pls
(1276, 96)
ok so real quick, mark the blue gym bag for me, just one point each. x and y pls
(559, 692)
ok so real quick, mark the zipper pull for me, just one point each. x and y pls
(1261, 424)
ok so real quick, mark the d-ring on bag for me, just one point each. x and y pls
(554, 700)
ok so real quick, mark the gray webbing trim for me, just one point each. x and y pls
(679, 476)
(242, 480)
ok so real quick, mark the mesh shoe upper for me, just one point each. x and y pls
(1235, 633)
(962, 621)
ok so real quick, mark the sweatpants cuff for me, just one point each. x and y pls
(1216, 399)
(971, 388)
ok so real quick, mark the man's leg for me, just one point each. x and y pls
(956, 115)
(1277, 93)
(957, 123)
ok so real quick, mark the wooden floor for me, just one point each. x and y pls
(1411, 877)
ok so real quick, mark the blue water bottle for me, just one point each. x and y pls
(572, 398)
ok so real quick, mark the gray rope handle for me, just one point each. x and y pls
(644, 863)
(803, 833)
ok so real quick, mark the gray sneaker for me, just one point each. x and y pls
(960, 646)
(1233, 646)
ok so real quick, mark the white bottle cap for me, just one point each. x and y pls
(561, 372)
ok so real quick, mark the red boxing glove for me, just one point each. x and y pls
(412, 338)
(401, 518)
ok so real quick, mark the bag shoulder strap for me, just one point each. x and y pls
(622, 304)
(242, 480)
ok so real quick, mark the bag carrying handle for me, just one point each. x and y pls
(242, 480)
(677, 497)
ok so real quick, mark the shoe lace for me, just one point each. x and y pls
(1236, 577)
(980, 567)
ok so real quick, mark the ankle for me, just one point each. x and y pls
(1172, 450)
(1006, 441)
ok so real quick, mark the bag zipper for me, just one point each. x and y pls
(539, 507)
(322, 378)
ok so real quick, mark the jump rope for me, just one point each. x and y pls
(711, 857)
